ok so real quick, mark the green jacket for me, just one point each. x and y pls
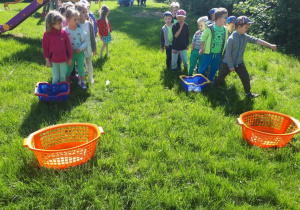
(207, 38)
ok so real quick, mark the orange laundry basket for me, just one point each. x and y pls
(268, 128)
(64, 145)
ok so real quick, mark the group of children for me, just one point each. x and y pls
(214, 46)
(69, 40)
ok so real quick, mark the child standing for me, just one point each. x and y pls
(174, 8)
(79, 43)
(166, 37)
(56, 47)
(104, 29)
(195, 57)
(213, 42)
(230, 24)
(91, 48)
(235, 49)
(180, 42)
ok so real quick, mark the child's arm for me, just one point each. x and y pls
(203, 40)
(45, 44)
(267, 44)
(93, 39)
(228, 56)
(179, 31)
(69, 48)
(162, 40)
(83, 39)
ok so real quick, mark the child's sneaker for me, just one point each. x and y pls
(82, 84)
(251, 95)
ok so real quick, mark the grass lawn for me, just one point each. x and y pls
(163, 148)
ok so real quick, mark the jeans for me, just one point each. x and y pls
(212, 59)
(183, 56)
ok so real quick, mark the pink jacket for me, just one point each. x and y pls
(57, 46)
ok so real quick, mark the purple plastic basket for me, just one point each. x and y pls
(52, 92)
(194, 83)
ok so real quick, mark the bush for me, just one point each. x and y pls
(275, 21)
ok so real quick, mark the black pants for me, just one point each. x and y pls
(240, 70)
(169, 57)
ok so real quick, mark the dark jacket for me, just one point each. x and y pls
(182, 41)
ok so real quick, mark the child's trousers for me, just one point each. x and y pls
(183, 56)
(59, 72)
(89, 67)
(79, 58)
(169, 57)
(194, 59)
(212, 59)
(240, 70)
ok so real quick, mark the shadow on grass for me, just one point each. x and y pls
(33, 53)
(141, 24)
(100, 62)
(229, 99)
(49, 113)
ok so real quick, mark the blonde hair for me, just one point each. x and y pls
(175, 4)
(103, 11)
(204, 19)
(71, 12)
(51, 19)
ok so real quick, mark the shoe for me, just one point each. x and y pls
(251, 95)
(100, 56)
(92, 81)
(83, 85)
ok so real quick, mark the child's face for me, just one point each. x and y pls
(83, 15)
(222, 20)
(180, 19)
(57, 25)
(230, 27)
(73, 21)
(168, 20)
(201, 25)
(174, 11)
(244, 29)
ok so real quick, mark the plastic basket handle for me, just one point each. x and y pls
(101, 129)
(297, 123)
(240, 121)
(25, 143)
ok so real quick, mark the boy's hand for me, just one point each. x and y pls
(95, 52)
(175, 51)
(273, 46)
(78, 51)
(200, 52)
(70, 62)
(162, 49)
(232, 69)
(187, 48)
(48, 64)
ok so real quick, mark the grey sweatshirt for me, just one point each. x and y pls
(235, 48)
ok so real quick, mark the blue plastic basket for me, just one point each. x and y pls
(52, 92)
(194, 83)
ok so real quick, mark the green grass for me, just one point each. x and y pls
(163, 148)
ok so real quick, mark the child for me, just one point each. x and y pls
(56, 47)
(195, 57)
(91, 16)
(166, 37)
(175, 6)
(180, 42)
(212, 14)
(88, 28)
(79, 43)
(230, 24)
(235, 49)
(104, 29)
(213, 42)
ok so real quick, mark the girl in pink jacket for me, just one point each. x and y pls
(56, 47)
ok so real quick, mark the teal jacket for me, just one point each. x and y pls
(207, 38)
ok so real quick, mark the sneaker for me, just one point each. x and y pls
(251, 95)
(83, 85)
(92, 81)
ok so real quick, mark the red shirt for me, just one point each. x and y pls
(103, 27)
(57, 46)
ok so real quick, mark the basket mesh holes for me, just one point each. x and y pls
(264, 120)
